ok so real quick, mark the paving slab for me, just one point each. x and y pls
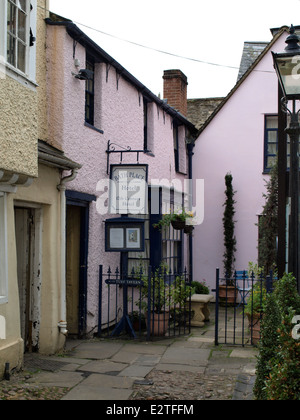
(136, 371)
(108, 381)
(97, 350)
(244, 353)
(103, 366)
(145, 348)
(185, 356)
(60, 379)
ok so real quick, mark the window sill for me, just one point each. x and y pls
(93, 128)
(10, 71)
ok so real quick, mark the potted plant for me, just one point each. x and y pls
(255, 309)
(178, 220)
(200, 288)
(199, 303)
(159, 301)
(228, 291)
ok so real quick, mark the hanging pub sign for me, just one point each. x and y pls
(128, 189)
(124, 234)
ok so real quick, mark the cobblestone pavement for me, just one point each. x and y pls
(167, 385)
(188, 368)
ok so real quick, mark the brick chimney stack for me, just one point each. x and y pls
(175, 90)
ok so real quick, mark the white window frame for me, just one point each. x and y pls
(3, 250)
(28, 77)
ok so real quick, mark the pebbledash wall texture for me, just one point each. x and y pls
(119, 118)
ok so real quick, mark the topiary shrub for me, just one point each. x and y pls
(278, 377)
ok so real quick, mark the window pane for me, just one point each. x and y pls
(272, 136)
(22, 26)
(11, 50)
(22, 4)
(272, 148)
(11, 18)
(271, 161)
(272, 122)
(21, 56)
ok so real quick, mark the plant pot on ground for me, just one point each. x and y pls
(159, 323)
(228, 294)
(255, 309)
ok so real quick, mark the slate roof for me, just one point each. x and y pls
(244, 77)
(251, 52)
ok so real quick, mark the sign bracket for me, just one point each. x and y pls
(111, 148)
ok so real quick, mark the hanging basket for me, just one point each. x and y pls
(188, 229)
(178, 224)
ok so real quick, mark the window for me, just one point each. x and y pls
(17, 33)
(145, 125)
(271, 141)
(176, 146)
(17, 40)
(3, 250)
(90, 94)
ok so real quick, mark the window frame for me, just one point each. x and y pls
(267, 155)
(29, 73)
(90, 65)
(3, 250)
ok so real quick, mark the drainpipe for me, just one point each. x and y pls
(190, 149)
(63, 299)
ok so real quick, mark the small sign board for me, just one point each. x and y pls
(128, 189)
(124, 234)
(125, 282)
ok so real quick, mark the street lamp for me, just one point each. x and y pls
(287, 65)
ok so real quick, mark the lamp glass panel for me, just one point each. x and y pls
(289, 73)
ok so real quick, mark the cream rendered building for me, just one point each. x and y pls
(33, 177)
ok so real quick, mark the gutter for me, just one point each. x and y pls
(79, 36)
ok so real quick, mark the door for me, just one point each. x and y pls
(28, 230)
(76, 268)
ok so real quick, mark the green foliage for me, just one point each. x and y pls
(229, 227)
(257, 299)
(200, 288)
(168, 218)
(267, 346)
(268, 224)
(278, 368)
(165, 294)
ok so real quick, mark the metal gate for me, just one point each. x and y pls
(239, 307)
(145, 305)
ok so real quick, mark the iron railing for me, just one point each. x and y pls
(240, 301)
(144, 305)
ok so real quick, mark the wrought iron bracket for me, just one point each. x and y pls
(116, 148)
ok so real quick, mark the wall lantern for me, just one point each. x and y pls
(287, 65)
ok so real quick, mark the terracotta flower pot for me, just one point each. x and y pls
(228, 294)
(158, 323)
(254, 326)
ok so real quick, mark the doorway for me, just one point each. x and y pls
(28, 246)
(76, 268)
